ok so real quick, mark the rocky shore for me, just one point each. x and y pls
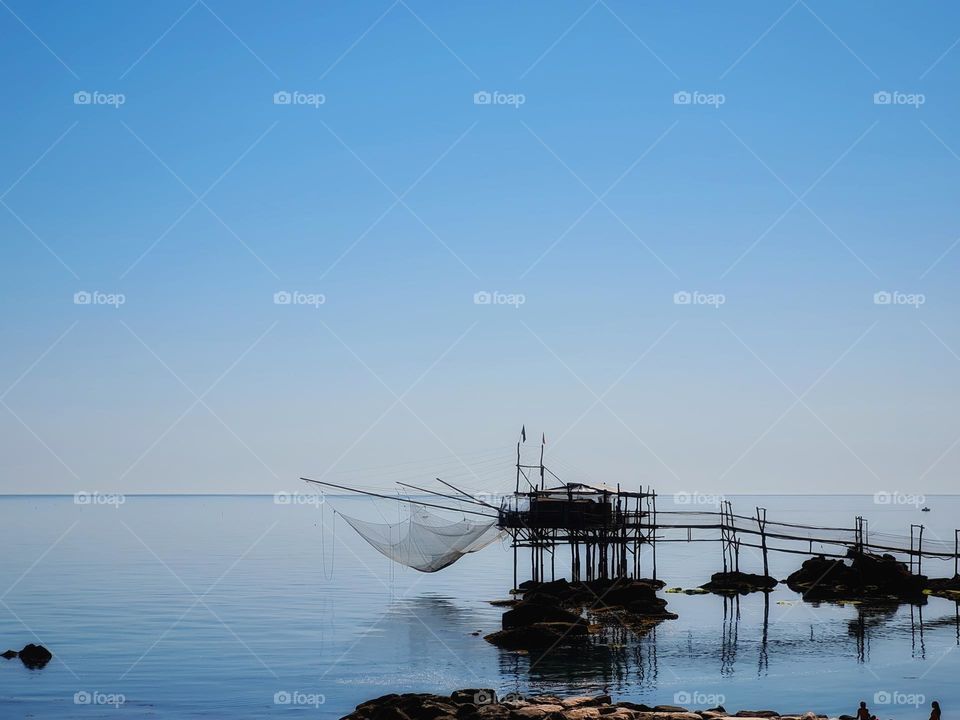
(483, 704)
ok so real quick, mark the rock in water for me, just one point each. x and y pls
(528, 613)
(538, 635)
(731, 583)
(9, 654)
(35, 656)
(868, 576)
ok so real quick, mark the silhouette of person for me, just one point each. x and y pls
(863, 713)
(935, 711)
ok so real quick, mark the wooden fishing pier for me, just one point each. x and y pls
(604, 530)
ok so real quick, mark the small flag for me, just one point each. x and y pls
(523, 433)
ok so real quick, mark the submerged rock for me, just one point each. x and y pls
(9, 654)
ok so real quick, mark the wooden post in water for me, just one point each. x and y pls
(734, 547)
(911, 547)
(724, 537)
(919, 550)
(515, 533)
(920, 557)
(653, 539)
(762, 524)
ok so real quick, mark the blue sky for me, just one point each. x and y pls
(787, 189)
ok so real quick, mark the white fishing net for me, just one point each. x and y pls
(426, 541)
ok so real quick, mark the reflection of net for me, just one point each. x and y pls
(425, 541)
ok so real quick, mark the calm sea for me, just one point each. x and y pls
(199, 606)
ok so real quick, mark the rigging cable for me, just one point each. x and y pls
(333, 551)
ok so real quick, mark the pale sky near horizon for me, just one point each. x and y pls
(708, 248)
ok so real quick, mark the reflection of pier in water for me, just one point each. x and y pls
(620, 657)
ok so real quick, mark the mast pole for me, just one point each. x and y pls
(517, 489)
(543, 441)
